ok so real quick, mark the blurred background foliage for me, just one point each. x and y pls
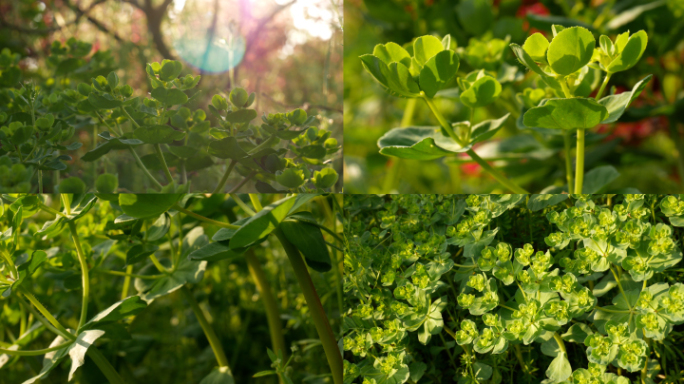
(643, 145)
(290, 55)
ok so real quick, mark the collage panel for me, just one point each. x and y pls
(181, 96)
(511, 96)
(170, 288)
(551, 288)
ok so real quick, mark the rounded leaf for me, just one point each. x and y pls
(438, 71)
(536, 46)
(147, 205)
(72, 185)
(483, 91)
(576, 113)
(571, 50)
(107, 183)
(630, 53)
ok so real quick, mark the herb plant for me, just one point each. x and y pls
(569, 68)
(79, 271)
(512, 288)
(285, 152)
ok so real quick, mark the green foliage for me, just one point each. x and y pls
(122, 265)
(457, 286)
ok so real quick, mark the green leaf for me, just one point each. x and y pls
(395, 76)
(392, 52)
(571, 50)
(527, 61)
(325, 178)
(170, 96)
(106, 183)
(487, 129)
(187, 272)
(170, 70)
(241, 116)
(105, 101)
(290, 177)
(140, 252)
(263, 223)
(227, 148)
(216, 252)
(536, 46)
(617, 104)
(418, 143)
(158, 134)
(219, 375)
(111, 144)
(560, 368)
(539, 202)
(630, 54)
(482, 371)
(72, 185)
(425, 47)
(598, 178)
(117, 311)
(437, 72)
(482, 92)
(309, 240)
(112, 79)
(144, 206)
(576, 113)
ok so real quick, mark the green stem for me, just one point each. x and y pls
(610, 310)
(206, 327)
(224, 179)
(40, 182)
(51, 321)
(243, 182)
(254, 198)
(135, 155)
(128, 274)
(579, 166)
(568, 159)
(265, 144)
(496, 174)
(127, 282)
(160, 155)
(617, 280)
(318, 316)
(242, 204)
(205, 219)
(560, 342)
(603, 86)
(488, 168)
(84, 274)
(105, 367)
(36, 352)
(272, 311)
(129, 117)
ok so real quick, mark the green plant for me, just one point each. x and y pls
(285, 152)
(583, 284)
(569, 66)
(158, 245)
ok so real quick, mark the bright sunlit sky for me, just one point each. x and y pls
(310, 18)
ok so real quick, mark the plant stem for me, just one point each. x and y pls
(128, 274)
(254, 198)
(160, 155)
(222, 183)
(318, 316)
(206, 327)
(560, 342)
(242, 204)
(579, 166)
(488, 168)
(610, 310)
(603, 86)
(40, 182)
(496, 174)
(617, 280)
(264, 144)
(58, 328)
(84, 274)
(105, 367)
(272, 311)
(36, 352)
(127, 282)
(568, 159)
(205, 219)
(243, 182)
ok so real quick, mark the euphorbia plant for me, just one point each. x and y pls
(433, 280)
(158, 245)
(570, 66)
(429, 67)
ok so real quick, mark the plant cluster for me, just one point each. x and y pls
(285, 152)
(569, 68)
(441, 287)
(88, 250)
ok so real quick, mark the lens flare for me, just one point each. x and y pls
(211, 54)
